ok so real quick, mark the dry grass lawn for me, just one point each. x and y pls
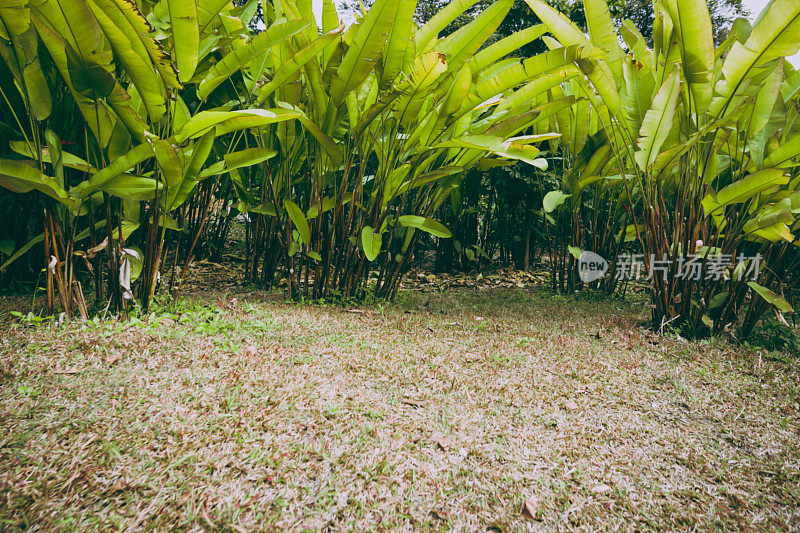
(505, 410)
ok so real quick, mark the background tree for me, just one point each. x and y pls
(641, 12)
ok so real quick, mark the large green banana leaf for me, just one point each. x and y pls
(239, 58)
(185, 36)
(658, 121)
(366, 49)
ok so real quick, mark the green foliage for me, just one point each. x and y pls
(688, 140)
(140, 128)
(369, 128)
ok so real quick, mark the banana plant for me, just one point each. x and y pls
(393, 117)
(705, 138)
(144, 149)
(75, 55)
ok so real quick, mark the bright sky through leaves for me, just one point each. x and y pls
(753, 6)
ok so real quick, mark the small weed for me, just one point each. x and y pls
(30, 319)
(776, 337)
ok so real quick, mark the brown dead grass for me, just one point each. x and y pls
(508, 410)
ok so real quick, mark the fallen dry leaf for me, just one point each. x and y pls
(439, 515)
(249, 351)
(601, 488)
(442, 441)
(531, 508)
(208, 520)
(70, 371)
(341, 498)
(416, 402)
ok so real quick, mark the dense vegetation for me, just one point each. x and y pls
(135, 134)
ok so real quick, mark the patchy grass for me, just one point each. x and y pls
(468, 410)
